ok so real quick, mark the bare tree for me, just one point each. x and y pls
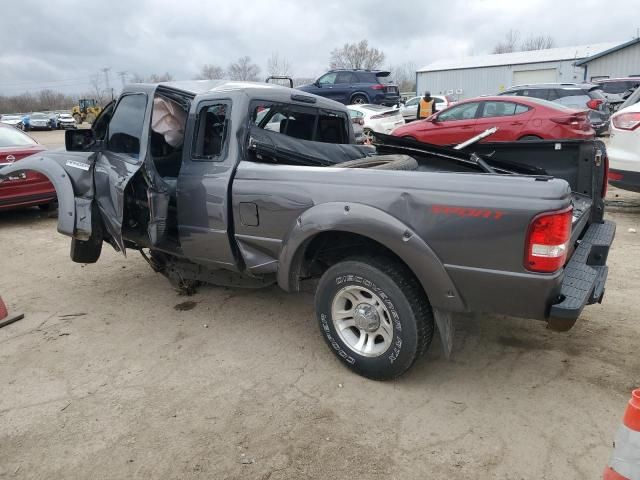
(97, 91)
(404, 75)
(244, 70)
(539, 42)
(210, 72)
(356, 55)
(157, 78)
(509, 43)
(136, 78)
(278, 66)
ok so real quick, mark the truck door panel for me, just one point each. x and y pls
(207, 168)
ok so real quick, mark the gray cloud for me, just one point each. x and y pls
(61, 45)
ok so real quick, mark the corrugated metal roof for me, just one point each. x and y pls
(517, 58)
(608, 51)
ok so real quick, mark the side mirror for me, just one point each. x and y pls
(317, 84)
(82, 140)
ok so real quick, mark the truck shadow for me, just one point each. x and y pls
(26, 216)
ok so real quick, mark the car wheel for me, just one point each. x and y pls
(90, 118)
(369, 135)
(408, 137)
(382, 162)
(359, 100)
(374, 316)
(529, 137)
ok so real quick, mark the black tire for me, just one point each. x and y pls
(405, 300)
(529, 137)
(47, 207)
(382, 162)
(359, 99)
(88, 251)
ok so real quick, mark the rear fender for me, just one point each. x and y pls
(379, 226)
(59, 177)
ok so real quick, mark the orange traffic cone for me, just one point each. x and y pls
(625, 460)
(5, 319)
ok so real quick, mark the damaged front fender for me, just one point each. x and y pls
(59, 177)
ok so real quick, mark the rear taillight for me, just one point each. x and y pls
(605, 177)
(615, 176)
(594, 103)
(626, 121)
(378, 86)
(548, 241)
(574, 120)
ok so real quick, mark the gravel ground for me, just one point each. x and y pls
(114, 375)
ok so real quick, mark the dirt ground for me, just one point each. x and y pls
(114, 375)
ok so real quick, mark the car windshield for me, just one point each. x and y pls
(355, 113)
(65, 115)
(10, 137)
(38, 115)
(9, 117)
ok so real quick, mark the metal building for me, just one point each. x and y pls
(490, 74)
(620, 61)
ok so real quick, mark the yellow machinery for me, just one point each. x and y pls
(86, 111)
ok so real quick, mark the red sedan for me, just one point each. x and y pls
(25, 189)
(517, 118)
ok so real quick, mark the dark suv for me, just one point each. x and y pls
(355, 86)
(578, 96)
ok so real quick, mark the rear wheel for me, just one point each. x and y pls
(77, 118)
(374, 316)
(359, 99)
(529, 137)
(90, 118)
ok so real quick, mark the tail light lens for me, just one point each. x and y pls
(626, 121)
(594, 103)
(606, 177)
(378, 86)
(548, 241)
(574, 120)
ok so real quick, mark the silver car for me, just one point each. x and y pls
(39, 121)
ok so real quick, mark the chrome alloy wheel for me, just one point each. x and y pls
(362, 321)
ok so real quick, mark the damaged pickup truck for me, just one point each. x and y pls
(247, 185)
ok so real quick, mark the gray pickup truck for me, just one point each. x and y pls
(246, 185)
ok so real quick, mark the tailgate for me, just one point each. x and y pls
(584, 276)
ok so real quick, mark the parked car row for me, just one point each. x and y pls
(40, 121)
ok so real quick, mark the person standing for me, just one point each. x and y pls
(426, 107)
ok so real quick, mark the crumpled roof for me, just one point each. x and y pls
(516, 58)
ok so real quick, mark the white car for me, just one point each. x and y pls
(13, 120)
(410, 108)
(66, 120)
(378, 118)
(624, 148)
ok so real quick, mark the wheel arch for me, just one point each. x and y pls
(334, 220)
(359, 92)
(62, 184)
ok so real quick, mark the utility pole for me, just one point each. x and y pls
(123, 77)
(106, 80)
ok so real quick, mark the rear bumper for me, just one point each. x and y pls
(584, 276)
(625, 179)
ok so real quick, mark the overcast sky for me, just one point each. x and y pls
(60, 44)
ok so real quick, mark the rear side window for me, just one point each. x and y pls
(368, 77)
(618, 87)
(300, 122)
(125, 128)
(346, 77)
(542, 93)
(502, 109)
(211, 132)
